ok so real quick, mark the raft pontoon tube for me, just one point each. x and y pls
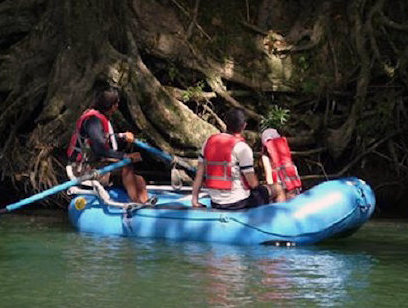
(331, 209)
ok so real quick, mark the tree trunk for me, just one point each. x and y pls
(338, 68)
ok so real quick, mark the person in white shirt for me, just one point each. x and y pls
(226, 168)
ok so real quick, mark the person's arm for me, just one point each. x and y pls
(198, 182)
(245, 158)
(251, 179)
(94, 129)
(266, 163)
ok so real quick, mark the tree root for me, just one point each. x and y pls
(47, 78)
(218, 87)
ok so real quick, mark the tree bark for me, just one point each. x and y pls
(329, 63)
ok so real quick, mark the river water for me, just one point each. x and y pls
(45, 263)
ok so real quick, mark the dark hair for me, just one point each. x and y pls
(235, 120)
(105, 99)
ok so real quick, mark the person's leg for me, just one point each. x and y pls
(141, 188)
(276, 193)
(291, 194)
(239, 205)
(135, 185)
(259, 195)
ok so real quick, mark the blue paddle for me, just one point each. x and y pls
(191, 171)
(64, 186)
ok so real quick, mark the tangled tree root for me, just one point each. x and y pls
(322, 60)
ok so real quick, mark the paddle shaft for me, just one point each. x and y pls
(166, 157)
(65, 186)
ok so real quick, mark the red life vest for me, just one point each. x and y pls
(76, 146)
(283, 168)
(217, 161)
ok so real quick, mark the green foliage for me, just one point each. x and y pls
(194, 91)
(276, 118)
(173, 72)
(303, 63)
(308, 80)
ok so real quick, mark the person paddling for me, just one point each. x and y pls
(226, 168)
(94, 144)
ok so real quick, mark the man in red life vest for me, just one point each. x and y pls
(226, 168)
(278, 165)
(94, 143)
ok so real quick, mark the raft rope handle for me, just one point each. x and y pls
(362, 200)
(224, 219)
(361, 196)
(290, 236)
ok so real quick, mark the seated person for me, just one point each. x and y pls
(278, 165)
(94, 145)
(225, 167)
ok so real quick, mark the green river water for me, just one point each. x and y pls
(45, 263)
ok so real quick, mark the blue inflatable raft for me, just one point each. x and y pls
(331, 209)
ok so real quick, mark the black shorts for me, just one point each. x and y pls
(258, 196)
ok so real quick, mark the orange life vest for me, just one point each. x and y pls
(283, 168)
(77, 144)
(217, 161)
